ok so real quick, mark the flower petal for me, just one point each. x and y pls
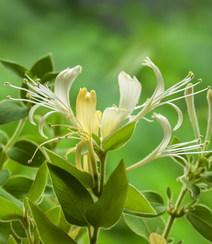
(31, 113)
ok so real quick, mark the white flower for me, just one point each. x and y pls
(163, 150)
(112, 118)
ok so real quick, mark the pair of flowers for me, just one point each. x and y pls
(88, 121)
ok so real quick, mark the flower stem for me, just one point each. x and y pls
(11, 141)
(103, 167)
(174, 213)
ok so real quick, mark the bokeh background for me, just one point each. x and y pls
(106, 37)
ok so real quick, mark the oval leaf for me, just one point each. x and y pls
(13, 67)
(23, 150)
(156, 239)
(42, 66)
(108, 209)
(49, 233)
(137, 202)
(4, 138)
(60, 162)
(201, 220)
(10, 198)
(145, 226)
(4, 175)
(69, 190)
(119, 138)
(18, 229)
(49, 77)
(11, 111)
(194, 189)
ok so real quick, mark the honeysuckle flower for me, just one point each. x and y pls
(163, 150)
(112, 118)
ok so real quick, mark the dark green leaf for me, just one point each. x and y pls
(57, 160)
(194, 189)
(4, 175)
(9, 211)
(49, 77)
(208, 176)
(155, 200)
(11, 240)
(23, 150)
(108, 209)
(13, 67)
(168, 193)
(18, 186)
(49, 233)
(42, 66)
(56, 216)
(69, 190)
(18, 229)
(11, 111)
(119, 138)
(203, 162)
(39, 184)
(4, 138)
(201, 219)
(137, 202)
(145, 226)
(10, 198)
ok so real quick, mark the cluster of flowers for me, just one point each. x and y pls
(88, 121)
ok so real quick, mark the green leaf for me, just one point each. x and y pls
(49, 77)
(168, 193)
(4, 138)
(208, 176)
(137, 202)
(23, 150)
(56, 216)
(11, 240)
(39, 184)
(194, 189)
(201, 220)
(203, 162)
(13, 67)
(174, 141)
(145, 226)
(119, 138)
(156, 239)
(18, 186)
(72, 195)
(42, 66)
(58, 161)
(108, 209)
(155, 200)
(9, 211)
(18, 229)
(4, 175)
(11, 111)
(10, 198)
(49, 233)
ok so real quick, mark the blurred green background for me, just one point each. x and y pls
(106, 37)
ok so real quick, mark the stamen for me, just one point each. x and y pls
(7, 83)
(9, 97)
(49, 124)
(25, 80)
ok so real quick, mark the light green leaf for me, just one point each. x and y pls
(155, 200)
(156, 239)
(49, 233)
(201, 220)
(145, 226)
(4, 175)
(11, 240)
(194, 189)
(42, 66)
(9, 211)
(18, 229)
(56, 216)
(23, 150)
(58, 161)
(137, 202)
(39, 184)
(10, 198)
(13, 67)
(119, 138)
(203, 162)
(69, 190)
(11, 111)
(108, 209)
(18, 186)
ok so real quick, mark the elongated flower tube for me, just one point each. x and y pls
(112, 118)
(163, 150)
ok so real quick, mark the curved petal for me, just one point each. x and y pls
(63, 84)
(130, 91)
(41, 123)
(31, 113)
